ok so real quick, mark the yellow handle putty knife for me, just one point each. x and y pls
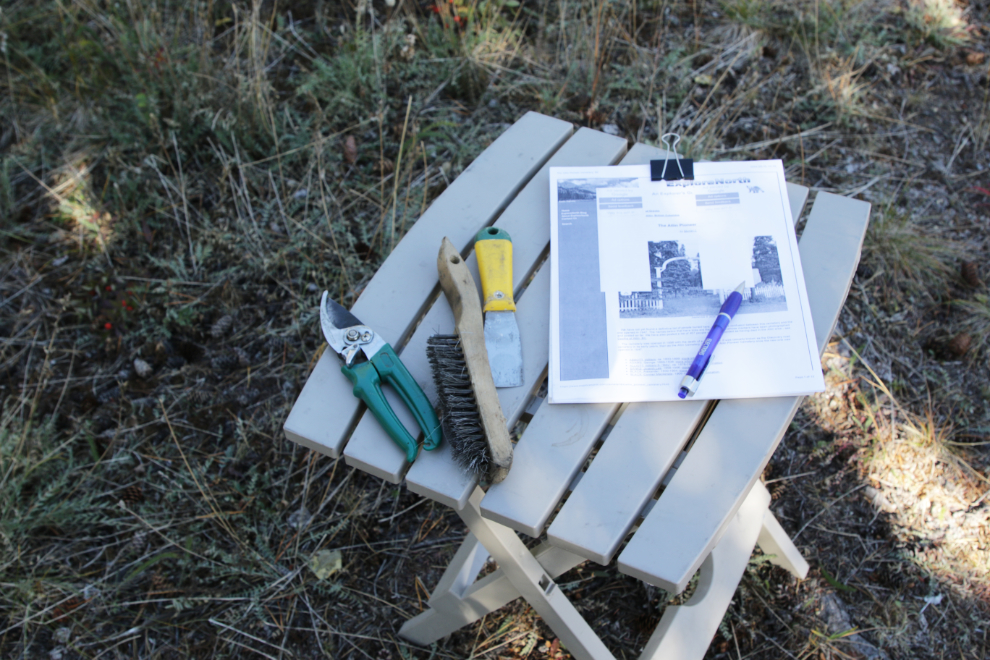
(493, 248)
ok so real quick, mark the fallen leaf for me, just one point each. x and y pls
(703, 79)
(325, 563)
(960, 344)
(975, 58)
(350, 150)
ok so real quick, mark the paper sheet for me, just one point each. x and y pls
(639, 270)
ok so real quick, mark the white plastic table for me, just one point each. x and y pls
(676, 482)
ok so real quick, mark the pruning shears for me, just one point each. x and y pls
(350, 338)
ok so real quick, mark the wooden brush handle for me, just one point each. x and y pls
(462, 294)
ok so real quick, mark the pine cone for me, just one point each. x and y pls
(221, 327)
(970, 273)
(132, 495)
(224, 362)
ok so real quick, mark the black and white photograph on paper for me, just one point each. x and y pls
(767, 292)
(677, 285)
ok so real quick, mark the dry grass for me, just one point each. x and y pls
(943, 22)
(910, 254)
(179, 182)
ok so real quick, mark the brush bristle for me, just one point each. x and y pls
(458, 408)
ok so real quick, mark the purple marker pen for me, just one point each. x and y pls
(729, 308)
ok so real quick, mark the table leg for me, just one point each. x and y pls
(534, 583)
(686, 631)
(775, 542)
(459, 600)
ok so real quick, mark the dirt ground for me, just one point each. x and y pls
(179, 182)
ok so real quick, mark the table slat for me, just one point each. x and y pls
(326, 409)
(545, 465)
(623, 477)
(741, 435)
(551, 451)
(525, 219)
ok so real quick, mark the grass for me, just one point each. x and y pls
(910, 255)
(976, 320)
(179, 182)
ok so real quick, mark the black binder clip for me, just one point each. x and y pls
(685, 166)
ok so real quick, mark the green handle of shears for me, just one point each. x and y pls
(367, 381)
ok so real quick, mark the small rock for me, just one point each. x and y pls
(301, 193)
(108, 395)
(837, 619)
(242, 357)
(312, 288)
(248, 396)
(960, 344)
(350, 147)
(142, 368)
(970, 273)
(610, 129)
(61, 260)
(221, 327)
(300, 518)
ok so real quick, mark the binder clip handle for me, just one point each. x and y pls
(685, 166)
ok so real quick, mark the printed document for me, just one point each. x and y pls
(640, 268)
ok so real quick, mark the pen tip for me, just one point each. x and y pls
(741, 287)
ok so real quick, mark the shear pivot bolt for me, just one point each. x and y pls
(353, 335)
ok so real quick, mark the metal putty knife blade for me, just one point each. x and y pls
(504, 348)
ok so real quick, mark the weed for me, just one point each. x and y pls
(942, 22)
(976, 320)
(907, 253)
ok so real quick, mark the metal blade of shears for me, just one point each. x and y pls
(345, 333)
